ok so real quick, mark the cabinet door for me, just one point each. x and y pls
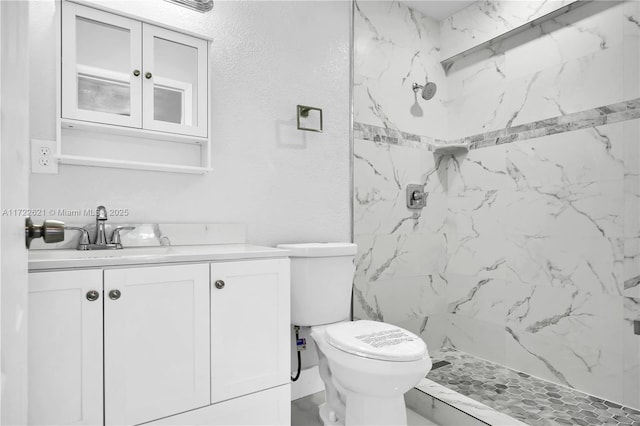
(175, 93)
(65, 348)
(101, 53)
(156, 325)
(249, 327)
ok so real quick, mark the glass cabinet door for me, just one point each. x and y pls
(175, 82)
(101, 67)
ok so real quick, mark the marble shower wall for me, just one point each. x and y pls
(401, 253)
(568, 64)
(543, 233)
(396, 46)
(528, 253)
(483, 21)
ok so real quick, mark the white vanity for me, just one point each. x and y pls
(162, 335)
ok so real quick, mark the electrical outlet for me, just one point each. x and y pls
(42, 159)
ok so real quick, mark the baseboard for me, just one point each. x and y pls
(308, 383)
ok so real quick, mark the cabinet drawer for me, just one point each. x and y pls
(269, 407)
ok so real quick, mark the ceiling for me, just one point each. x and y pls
(437, 9)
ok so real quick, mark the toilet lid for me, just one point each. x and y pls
(377, 340)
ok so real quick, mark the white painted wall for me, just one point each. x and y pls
(266, 57)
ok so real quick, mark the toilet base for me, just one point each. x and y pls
(363, 410)
(367, 411)
(328, 416)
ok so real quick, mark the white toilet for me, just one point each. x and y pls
(366, 366)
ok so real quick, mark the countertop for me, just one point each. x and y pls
(41, 260)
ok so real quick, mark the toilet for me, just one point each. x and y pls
(366, 366)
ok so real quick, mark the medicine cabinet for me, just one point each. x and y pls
(133, 94)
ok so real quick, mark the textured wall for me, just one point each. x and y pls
(266, 57)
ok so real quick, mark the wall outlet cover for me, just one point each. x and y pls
(42, 156)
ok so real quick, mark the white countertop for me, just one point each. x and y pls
(40, 260)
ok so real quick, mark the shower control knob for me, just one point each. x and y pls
(219, 284)
(114, 294)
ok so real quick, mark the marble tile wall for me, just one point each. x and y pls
(543, 232)
(396, 46)
(568, 64)
(536, 262)
(484, 20)
(528, 253)
(401, 253)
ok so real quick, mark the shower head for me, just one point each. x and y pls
(428, 90)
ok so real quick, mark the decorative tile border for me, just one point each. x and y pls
(524, 397)
(621, 111)
(608, 114)
(392, 136)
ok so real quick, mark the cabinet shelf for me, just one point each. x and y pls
(70, 124)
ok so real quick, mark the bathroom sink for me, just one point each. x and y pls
(69, 259)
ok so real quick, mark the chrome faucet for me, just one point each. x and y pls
(101, 234)
(100, 241)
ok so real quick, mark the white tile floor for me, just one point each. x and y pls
(304, 412)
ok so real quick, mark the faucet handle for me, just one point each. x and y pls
(85, 240)
(115, 237)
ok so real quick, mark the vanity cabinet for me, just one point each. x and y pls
(65, 348)
(250, 318)
(120, 71)
(193, 343)
(156, 342)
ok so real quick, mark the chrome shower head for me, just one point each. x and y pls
(428, 90)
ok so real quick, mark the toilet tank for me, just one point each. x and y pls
(321, 282)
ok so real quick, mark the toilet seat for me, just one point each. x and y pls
(376, 340)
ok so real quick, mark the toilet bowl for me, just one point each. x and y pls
(367, 367)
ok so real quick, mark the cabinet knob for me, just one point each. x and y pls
(148, 75)
(136, 72)
(114, 294)
(92, 295)
(219, 284)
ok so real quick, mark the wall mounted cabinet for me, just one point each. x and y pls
(128, 78)
(171, 336)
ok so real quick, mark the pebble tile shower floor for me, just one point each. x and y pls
(526, 398)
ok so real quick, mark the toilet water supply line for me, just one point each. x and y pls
(301, 344)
